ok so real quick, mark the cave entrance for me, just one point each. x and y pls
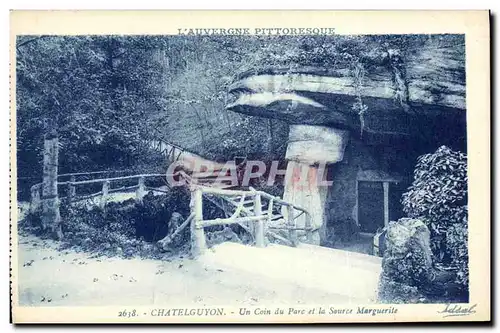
(378, 201)
(370, 206)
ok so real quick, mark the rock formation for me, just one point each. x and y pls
(395, 101)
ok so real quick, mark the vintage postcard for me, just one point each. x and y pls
(250, 166)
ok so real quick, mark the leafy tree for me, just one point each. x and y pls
(95, 90)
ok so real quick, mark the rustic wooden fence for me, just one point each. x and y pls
(278, 215)
(105, 185)
(171, 151)
(260, 213)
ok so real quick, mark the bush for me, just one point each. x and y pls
(456, 240)
(426, 257)
(438, 196)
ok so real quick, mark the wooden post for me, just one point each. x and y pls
(104, 197)
(171, 155)
(309, 232)
(198, 243)
(386, 203)
(71, 189)
(269, 217)
(291, 224)
(141, 190)
(35, 198)
(51, 217)
(259, 230)
(356, 207)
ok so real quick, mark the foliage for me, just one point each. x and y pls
(130, 229)
(95, 91)
(122, 229)
(438, 196)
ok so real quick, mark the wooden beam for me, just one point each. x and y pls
(104, 197)
(90, 173)
(259, 227)
(141, 190)
(198, 242)
(276, 236)
(219, 191)
(386, 203)
(309, 232)
(269, 215)
(208, 223)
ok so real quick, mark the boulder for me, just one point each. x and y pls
(407, 264)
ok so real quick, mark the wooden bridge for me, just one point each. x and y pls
(265, 217)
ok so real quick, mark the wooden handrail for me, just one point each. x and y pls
(259, 218)
(101, 180)
(213, 190)
(207, 223)
(91, 173)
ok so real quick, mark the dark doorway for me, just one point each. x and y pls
(396, 191)
(370, 206)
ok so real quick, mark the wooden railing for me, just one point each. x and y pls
(248, 207)
(106, 188)
(261, 220)
(257, 221)
(171, 151)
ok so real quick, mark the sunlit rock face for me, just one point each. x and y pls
(310, 149)
(316, 144)
(318, 96)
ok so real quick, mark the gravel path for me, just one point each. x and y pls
(49, 277)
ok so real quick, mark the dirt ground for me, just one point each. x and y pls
(51, 277)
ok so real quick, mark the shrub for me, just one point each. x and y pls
(438, 196)
(456, 240)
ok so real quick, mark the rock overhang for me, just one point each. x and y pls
(325, 97)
